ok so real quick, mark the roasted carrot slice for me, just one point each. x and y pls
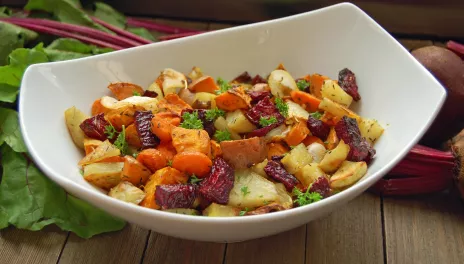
(276, 149)
(162, 125)
(134, 171)
(125, 90)
(332, 139)
(309, 102)
(153, 159)
(203, 84)
(192, 163)
(330, 119)
(132, 137)
(234, 99)
(316, 84)
(122, 117)
(167, 149)
(312, 139)
(297, 134)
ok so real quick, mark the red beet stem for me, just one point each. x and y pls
(179, 35)
(410, 186)
(156, 26)
(61, 33)
(123, 32)
(456, 47)
(90, 32)
(424, 151)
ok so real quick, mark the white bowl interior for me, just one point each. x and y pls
(394, 88)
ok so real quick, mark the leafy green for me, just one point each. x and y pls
(302, 85)
(74, 45)
(58, 55)
(9, 130)
(29, 200)
(224, 86)
(5, 11)
(263, 121)
(281, 106)
(109, 15)
(13, 37)
(212, 114)
(222, 135)
(191, 121)
(316, 115)
(304, 198)
(142, 32)
(121, 142)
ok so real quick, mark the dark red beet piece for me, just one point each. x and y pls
(143, 127)
(208, 125)
(243, 78)
(258, 79)
(261, 132)
(276, 171)
(264, 108)
(151, 94)
(170, 196)
(94, 127)
(322, 186)
(217, 185)
(347, 81)
(347, 129)
(257, 96)
(318, 128)
(277, 158)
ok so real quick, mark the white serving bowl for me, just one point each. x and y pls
(395, 89)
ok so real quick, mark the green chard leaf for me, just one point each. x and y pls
(5, 11)
(13, 37)
(76, 46)
(58, 55)
(142, 32)
(109, 15)
(29, 200)
(9, 130)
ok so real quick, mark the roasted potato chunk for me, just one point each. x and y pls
(331, 89)
(127, 192)
(74, 117)
(103, 151)
(219, 210)
(104, 175)
(370, 129)
(296, 159)
(334, 158)
(251, 190)
(348, 174)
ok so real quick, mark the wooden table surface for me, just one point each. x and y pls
(370, 229)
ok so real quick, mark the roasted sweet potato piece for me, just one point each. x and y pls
(122, 117)
(134, 171)
(132, 137)
(172, 103)
(332, 139)
(90, 145)
(167, 149)
(153, 159)
(234, 99)
(162, 125)
(276, 149)
(312, 139)
(316, 84)
(297, 134)
(243, 153)
(191, 140)
(98, 108)
(124, 90)
(192, 163)
(306, 100)
(203, 84)
(216, 150)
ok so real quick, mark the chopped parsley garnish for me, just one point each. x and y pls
(214, 113)
(121, 142)
(281, 106)
(244, 190)
(191, 121)
(110, 131)
(267, 121)
(302, 85)
(222, 135)
(224, 86)
(81, 171)
(316, 115)
(194, 179)
(243, 212)
(304, 198)
(135, 93)
(135, 154)
(169, 163)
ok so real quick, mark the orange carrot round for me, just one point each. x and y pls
(192, 163)
(312, 139)
(297, 134)
(162, 125)
(310, 102)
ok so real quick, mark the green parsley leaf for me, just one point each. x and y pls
(243, 212)
(302, 85)
(281, 106)
(267, 121)
(135, 93)
(191, 121)
(223, 86)
(135, 154)
(194, 179)
(222, 135)
(244, 190)
(316, 115)
(212, 114)
(110, 131)
(121, 142)
(304, 198)
(169, 163)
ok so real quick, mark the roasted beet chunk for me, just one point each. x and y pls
(95, 127)
(170, 196)
(257, 96)
(347, 81)
(217, 185)
(266, 109)
(151, 94)
(143, 127)
(276, 171)
(318, 128)
(243, 78)
(258, 79)
(322, 186)
(360, 150)
(208, 125)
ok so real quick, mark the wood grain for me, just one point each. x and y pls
(125, 246)
(351, 235)
(23, 246)
(424, 229)
(170, 250)
(284, 248)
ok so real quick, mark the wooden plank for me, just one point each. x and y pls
(424, 229)
(125, 246)
(285, 248)
(23, 246)
(352, 234)
(412, 44)
(165, 249)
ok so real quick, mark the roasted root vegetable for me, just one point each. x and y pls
(233, 99)
(134, 171)
(308, 101)
(103, 151)
(296, 159)
(238, 122)
(127, 192)
(348, 173)
(162, 125)
(316, 83)
(192, 163)
(309, 174)
(153, 159)
(251, 190)
(104, 175)
(334, 158)
(203, 84)
(125, 90)
(217, 185)
(297, 134)
(331, 89)
(191, 140)
(74, 117)
(281, 83)
(243, 153)
(219, 210)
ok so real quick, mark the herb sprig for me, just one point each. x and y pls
(304, 198)
(302, 85)
(224, 86)
(191, 121)
(121, 142)
(281, 106)
(212, 114)
(263, 121)
(222, 135)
